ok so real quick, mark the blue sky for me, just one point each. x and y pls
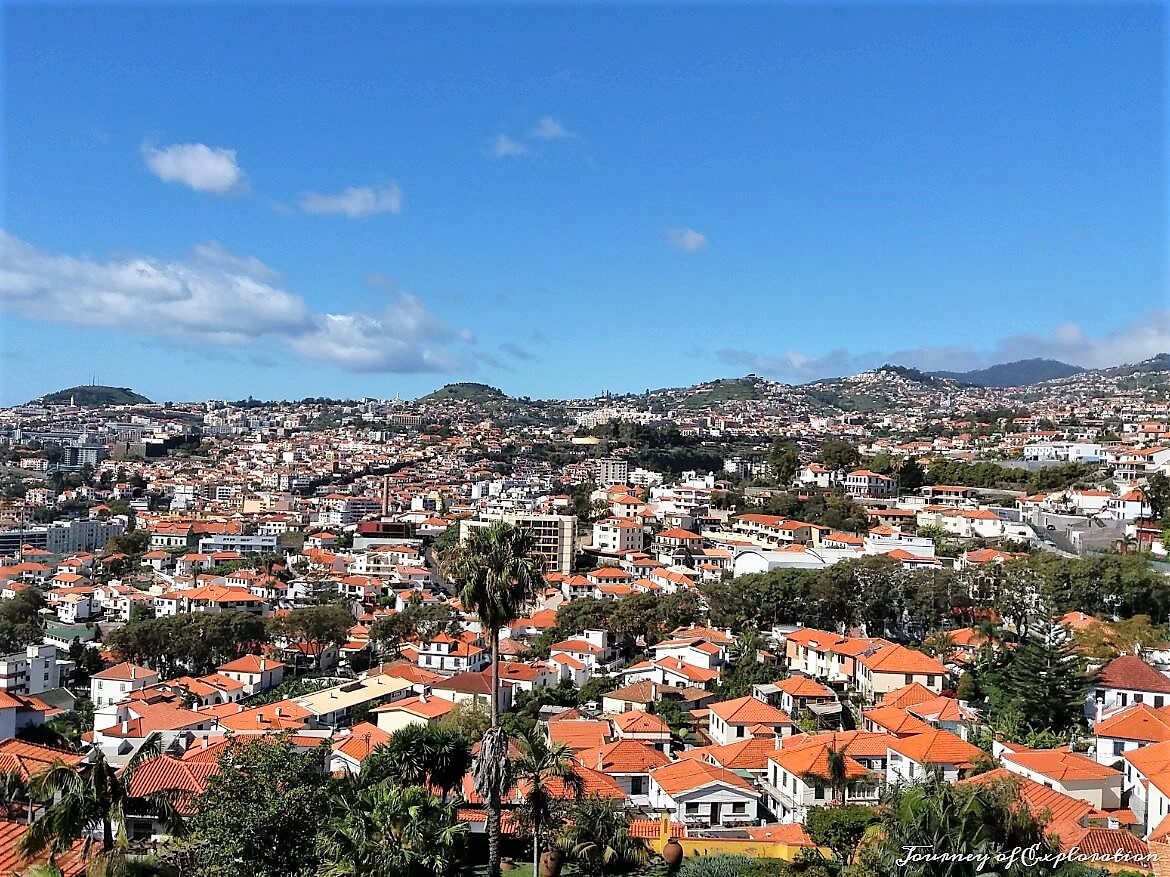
(212, 201)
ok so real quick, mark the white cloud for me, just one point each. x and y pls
(217, 297)
(796, 367)
(407, 338)
(355, 202)
(203, 168)
(214, 254)
(548, 128)
(686, 239)
(505, 147)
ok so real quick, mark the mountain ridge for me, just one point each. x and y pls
(1017, 373)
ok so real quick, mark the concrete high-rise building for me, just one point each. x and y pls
(612, 470)
(33, 671)
(555, 536)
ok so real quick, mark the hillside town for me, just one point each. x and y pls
(746, 614)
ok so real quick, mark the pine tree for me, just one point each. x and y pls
(1045, 681)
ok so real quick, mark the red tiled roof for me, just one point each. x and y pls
(71, 862)
(683, 776)
(186, 779)
(1132, 673)
(749, 710)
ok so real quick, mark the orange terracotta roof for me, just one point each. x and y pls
(579, 734)
(363, 739)
(899, 659)
(684, 776)
(749, 710)
(638, 722)
(1138, 722)
(751, 753)
(72, 862)
(937, 747)
(896, 721)
(803, 686)
(1061, 765)
(908, 695)
(623, 756)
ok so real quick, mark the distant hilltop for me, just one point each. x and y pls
(465, 392)
(95, 395)
(1021, 373)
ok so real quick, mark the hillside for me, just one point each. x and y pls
(466, 392)
(886, 388)
(724, 390)
(1153, 365)
(1021, 373)
(96, 395)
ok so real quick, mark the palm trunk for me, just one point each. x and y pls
(494, 803)
(535, 845)
(495, 640)
(493, 833)
(107, 835)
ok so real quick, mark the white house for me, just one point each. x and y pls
(447, 654)
(254, 672)
(702, 794)
(1127, 729)
(732, 720)
(113, 684)
(1128, 680)
(1070, 773)
(911, 758)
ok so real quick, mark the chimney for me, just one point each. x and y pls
(278, 711)
(133, 672)
(600, 760)
(125, 727)
(422, 698)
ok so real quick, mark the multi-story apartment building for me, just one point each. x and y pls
(32, 671)
(616, 535)
(555, 536)
(612, 470)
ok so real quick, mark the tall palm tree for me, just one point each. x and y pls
(835, 773)
(420, 755)
(597, 837)
(96, 796)
(498, 572)
(386, 831)
(541, 772)
(838, 773)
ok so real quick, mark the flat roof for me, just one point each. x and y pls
(351, 694)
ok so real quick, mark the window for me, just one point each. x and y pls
(692, 808)
(819, 792)
(1123, 699)
(636, 784)
(909, 678)
(740, 730)
(1138, 698)
(739, 807)
(1118, 747)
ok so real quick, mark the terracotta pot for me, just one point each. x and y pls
(551, 862)
(672, 853)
